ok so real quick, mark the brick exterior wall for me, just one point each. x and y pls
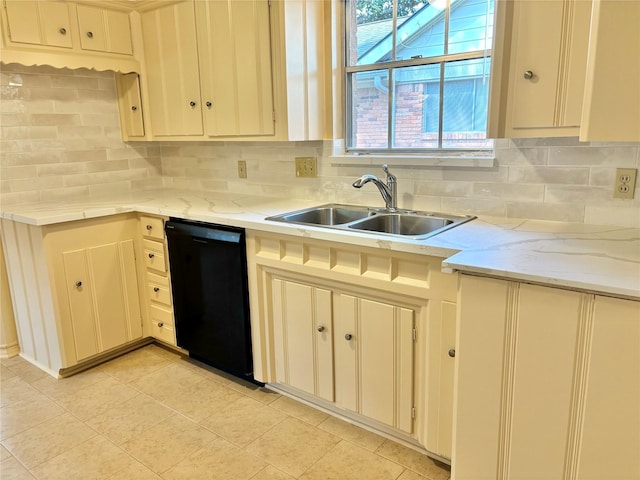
(370, 112)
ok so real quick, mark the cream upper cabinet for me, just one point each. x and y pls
(548, 383)
(612, 92)
(208, 69)
(130, 101)
(96, 35)
(234, 52)
(230, 70)
(104, 30)
(172, 75)
(76, 288)
(539, 68)
(39, 22)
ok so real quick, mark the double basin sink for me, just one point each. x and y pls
(404, 223)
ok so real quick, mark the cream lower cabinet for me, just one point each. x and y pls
(548, 384)
(75, 288)
(374, 351)
(363, 332)
(346, 349)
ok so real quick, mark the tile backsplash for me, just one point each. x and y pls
(60, 138)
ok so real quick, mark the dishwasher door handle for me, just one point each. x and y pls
(199, 240)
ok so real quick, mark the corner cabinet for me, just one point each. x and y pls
(363, 332)
(548, 383)
(75, 289)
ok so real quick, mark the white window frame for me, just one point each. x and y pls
(344, 155)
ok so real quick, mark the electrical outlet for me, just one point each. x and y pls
(242, 169)
(625, 183)
(306, 167)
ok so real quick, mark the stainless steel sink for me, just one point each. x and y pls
(327, 215)
(403, 223)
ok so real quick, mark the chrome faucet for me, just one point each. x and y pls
(389, 191)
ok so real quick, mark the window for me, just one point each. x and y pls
(418, 75)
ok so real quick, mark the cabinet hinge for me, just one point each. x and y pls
(414, 334)
(413, 412)
(273, 115)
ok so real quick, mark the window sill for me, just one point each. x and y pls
(413, 161)
(334, 150)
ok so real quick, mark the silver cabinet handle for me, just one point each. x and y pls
(134, 108)
(452, 352)
(63, 31)
(90, 34)
(348, 337)
(160, 324)
(528, 75)
(209, 104)
(149, 227)
(78, 284)
(151, 255)
(156, 289)
(192, 104)
(320, 328)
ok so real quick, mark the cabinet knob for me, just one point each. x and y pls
(320, 328)
(209, 104)
(160, 324)
(63, 31)
(90, 34)
(156, 289)
(78, 284)
(348, 337)
(528, 75)
(192, 104)
(134, 108)
(149, 227)
(452, 352)
(151, 255)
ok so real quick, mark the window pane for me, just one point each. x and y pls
(419, 32)
(369, 109)
(416, 106)
(466, 95)
(470, 22)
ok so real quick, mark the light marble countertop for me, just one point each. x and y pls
(595, 258)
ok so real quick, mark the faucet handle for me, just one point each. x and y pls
(385, 168)
(390, 176)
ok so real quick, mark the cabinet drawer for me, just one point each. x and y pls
(154, 257)
(159, 294)
(152, 227)
(161, 326)
(161, 316)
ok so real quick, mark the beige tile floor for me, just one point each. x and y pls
(153, 414)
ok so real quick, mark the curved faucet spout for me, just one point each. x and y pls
(388, 191)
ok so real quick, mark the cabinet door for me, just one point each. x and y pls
(610, 439)
(173, 80)
(39, 22)
(374, 359)
(130, 105)
(104, 30)
(103, 297)
(303, 337)
(612, 98)
(235, 67)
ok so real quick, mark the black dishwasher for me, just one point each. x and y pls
(210, 296)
